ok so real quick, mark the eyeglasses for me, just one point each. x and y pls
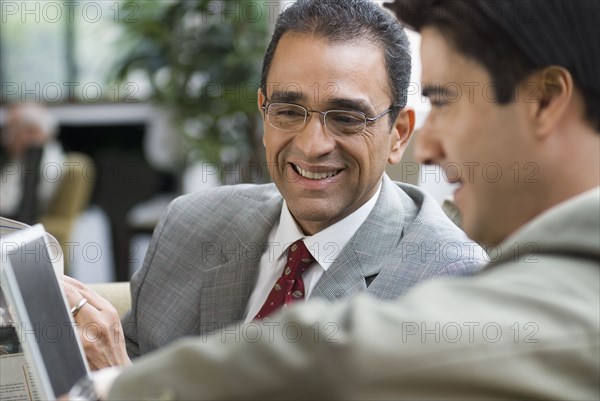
(293, 117)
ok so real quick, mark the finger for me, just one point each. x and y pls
(96, 299)
(93, 297)
(73, 295)
(86, 313)
(75, 283)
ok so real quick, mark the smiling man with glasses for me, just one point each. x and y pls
(333, 98)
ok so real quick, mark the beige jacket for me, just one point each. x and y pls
(527, 327)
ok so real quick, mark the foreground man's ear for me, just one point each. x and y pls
(554, 92)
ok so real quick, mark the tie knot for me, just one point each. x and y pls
(298, 260)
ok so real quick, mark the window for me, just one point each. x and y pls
(63, 51)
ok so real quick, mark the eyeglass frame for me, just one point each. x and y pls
(267, 104)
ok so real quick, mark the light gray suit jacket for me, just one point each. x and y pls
(526, 327)
(202, 263)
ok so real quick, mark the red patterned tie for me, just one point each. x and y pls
(290, 286)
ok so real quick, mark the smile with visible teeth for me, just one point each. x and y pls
(315, 176)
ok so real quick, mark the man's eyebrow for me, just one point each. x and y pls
(331, 102)
(350, 104)
(437, 89)
(286, 96)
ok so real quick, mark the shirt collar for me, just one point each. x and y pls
(326, 245)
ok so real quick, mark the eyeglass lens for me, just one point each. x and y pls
(289, 117)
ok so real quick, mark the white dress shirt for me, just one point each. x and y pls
(324, 246)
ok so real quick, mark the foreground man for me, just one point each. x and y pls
(527, 326)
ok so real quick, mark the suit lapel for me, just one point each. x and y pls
(366, 252)
(227, 287)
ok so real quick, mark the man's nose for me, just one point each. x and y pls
(314, 140)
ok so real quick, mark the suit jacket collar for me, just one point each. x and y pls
(227, 287)
(362, 256)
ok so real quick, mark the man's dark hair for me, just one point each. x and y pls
(343, 21)
(513, 38)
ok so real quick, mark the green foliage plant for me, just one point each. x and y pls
(203, 60)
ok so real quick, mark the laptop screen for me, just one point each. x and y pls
(50, 322)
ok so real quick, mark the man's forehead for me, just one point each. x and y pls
(443, 63)
(314, 71)
(304, 53)
(434, 54)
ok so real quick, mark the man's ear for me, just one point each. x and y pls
(554, 94)
(401, 132)
(261, 101)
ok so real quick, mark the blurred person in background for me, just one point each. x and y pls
(30, 158)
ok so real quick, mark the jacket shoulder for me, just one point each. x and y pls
(432, 240)
(219, 204)
(228, 194)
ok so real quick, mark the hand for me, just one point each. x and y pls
(98, 325)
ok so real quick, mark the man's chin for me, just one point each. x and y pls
(314, 215)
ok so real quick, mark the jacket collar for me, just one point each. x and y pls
(362, 256)
(227, 287)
